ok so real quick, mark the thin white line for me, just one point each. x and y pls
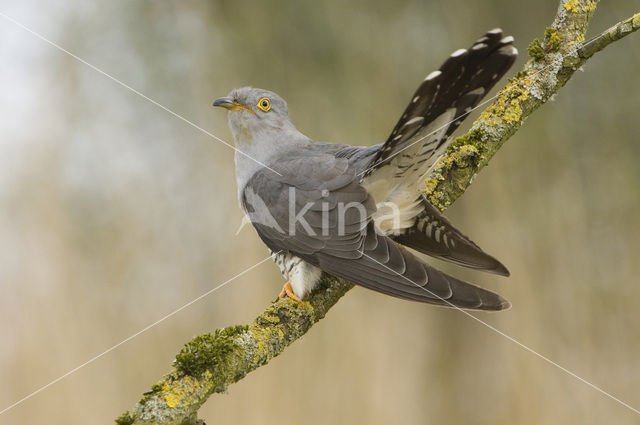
(262, 261)
(130, 337)
(470, 111)
(175, 114)
(546, 359)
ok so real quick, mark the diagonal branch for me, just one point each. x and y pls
(615, 33)
(210, 363)
(553, 62)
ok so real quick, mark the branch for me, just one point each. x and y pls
(210, 363)
(615, 33)
(553, 62)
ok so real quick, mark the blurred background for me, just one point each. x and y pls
(113, 213)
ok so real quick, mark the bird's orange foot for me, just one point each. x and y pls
(288, 291)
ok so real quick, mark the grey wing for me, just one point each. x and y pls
(434, 235)
(304, 209)
(342, 241)
(441, 103)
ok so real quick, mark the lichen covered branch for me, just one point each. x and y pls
(553, 61)
(615, 33)
(210, 363)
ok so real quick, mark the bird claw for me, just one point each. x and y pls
(288, 291)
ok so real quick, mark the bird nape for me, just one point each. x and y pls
(350, 211)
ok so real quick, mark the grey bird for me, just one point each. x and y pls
(350, 211)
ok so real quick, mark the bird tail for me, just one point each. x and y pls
(387, 267)
(434, 235)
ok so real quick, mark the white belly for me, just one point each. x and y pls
(302, 275)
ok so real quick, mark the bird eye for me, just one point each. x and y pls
(264, 104)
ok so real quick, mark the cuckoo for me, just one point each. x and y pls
(353, 211)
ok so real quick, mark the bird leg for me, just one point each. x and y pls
(288, 291)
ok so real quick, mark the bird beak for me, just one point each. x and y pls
(230, 104)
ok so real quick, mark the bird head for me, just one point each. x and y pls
(253, 112)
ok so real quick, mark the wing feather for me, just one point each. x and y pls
(442, 102)
(434, 235)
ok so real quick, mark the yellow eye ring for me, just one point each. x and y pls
(264, 104)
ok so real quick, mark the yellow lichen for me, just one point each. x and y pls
(432, 182)
(175, 395)
(271, 318)
(576, 6)
(590, 6)
(513, 113)
(507, 107)
(572, 6)
(265, 339)
(463, 157)
(467, 151)
(552, 40)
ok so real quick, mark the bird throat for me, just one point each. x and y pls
(245, 135)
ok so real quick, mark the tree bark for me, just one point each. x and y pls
(210, 363)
